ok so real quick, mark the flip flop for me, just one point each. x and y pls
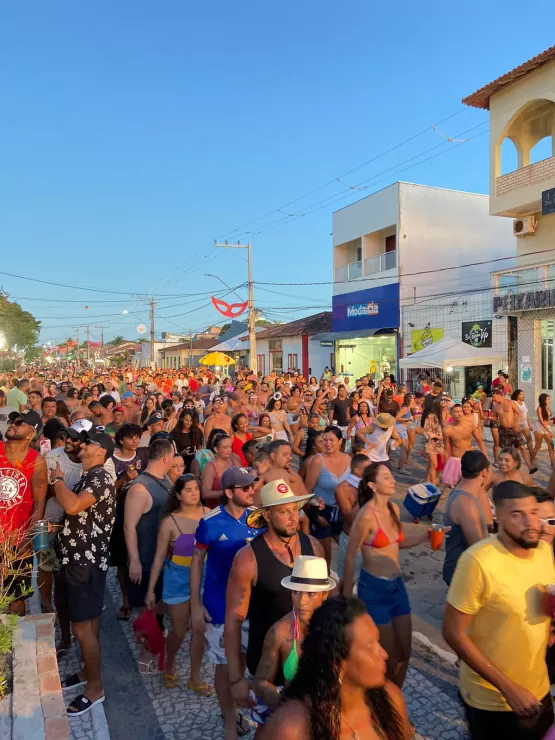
(202, 688)
(81, 705)
(72, 681)
(149, 668)
(124, 614)
(171, 681)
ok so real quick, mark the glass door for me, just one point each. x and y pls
(548, 339)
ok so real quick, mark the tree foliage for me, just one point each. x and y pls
(19, 328)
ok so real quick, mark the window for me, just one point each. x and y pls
(276, 359)
(390, 243)
(292, 362)
(359, 254)
(275, 345)
(261, 364)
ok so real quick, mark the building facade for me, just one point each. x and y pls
(522, 189)
(407, 272)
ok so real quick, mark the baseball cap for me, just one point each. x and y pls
(102, 440)
(79, 428)
(118, 408)
(153, 418)
(127, 394)
(30, 417)
(237, 477)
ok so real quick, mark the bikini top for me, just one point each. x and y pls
(380, 538)
(182, 548)
(292, 663)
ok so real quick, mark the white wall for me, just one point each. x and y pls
(447, 228)
(294, 346)
(368, 214)
(318, 358)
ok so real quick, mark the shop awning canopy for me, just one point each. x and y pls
(331, 336)
(448, 352)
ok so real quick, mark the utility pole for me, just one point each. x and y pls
(252, 316)
(152, 307)
(101, 332)
(77, 340)
(88, 347)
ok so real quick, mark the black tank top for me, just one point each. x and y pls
(269, 600)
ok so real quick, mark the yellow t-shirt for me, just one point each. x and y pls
(503, 593)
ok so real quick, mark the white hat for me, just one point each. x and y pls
(273, 493)
(81, 425)
(309, 574)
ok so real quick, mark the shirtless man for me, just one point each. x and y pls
(263, 394)
(292, 407)
(218, 419)
(130, 408)
(506, 415)
(280, 461)
(457, 439)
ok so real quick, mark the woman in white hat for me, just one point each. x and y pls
(376, 438)
(309, 585)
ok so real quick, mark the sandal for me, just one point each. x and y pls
(124, 614)
(81, 705)
(171, 681)
(72, 681)
(202, 688)
(243, 725)
(149, 667)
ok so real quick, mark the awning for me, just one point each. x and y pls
(449, 352)
(332, 336)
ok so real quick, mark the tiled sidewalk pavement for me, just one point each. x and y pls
(140, 706)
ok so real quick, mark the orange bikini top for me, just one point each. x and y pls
(380, 538)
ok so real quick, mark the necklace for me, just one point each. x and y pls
(354, 733)
(280, 555)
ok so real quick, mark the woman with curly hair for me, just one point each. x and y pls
(340, 689)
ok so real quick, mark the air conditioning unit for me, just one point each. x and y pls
(524, 226)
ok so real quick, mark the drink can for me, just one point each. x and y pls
(40, 537)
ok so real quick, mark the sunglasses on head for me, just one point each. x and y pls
(93, 442)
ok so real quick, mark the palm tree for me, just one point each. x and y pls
(117, 340)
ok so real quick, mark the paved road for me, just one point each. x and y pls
(139, 706)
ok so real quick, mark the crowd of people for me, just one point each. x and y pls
(223, 503)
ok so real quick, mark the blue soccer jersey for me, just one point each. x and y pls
(221, 536)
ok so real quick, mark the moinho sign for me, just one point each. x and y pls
(529, 301)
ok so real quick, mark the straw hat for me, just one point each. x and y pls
(273, 493)
(309, 574)
(385, 421)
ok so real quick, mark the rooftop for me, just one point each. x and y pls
(307, 326)
(206, 343)
(481, 98)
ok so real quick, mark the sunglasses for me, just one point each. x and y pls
(245, 489)
(550, 522)
(17, 423)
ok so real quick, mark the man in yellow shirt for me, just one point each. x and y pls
(496, 624)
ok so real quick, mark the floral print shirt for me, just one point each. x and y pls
(85, 537)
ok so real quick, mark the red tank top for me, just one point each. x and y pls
(16, 492)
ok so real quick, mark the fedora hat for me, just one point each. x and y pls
(273, 493)
(309, 574)
(385, 421)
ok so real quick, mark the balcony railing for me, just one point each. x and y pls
(370, 266)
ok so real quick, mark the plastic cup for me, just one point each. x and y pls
(549, 601)
(436, 536)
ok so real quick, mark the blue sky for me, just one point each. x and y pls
(133, 134)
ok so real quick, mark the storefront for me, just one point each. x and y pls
(365, 327)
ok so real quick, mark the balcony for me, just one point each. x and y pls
(370, 266)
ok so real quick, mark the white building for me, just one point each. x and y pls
(288, 347)
(400, 279)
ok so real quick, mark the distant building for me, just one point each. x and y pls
(522, 189)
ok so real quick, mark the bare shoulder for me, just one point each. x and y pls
(316, 546)
(289, 722)
(245, 562)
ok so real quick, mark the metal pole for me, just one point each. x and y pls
(152, 306)
(252, 317)
(77, 353)
(88, 348)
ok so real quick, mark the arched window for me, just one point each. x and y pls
(509, 157)
(542, 150)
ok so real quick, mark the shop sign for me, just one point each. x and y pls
(529, 301)
(324, 343)
(421, 338)
(368, 309)
(477, 333)
(548, 201)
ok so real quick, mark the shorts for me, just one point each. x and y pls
(342, 554)
(452, 471)
(48, 560)
(510, 438)
(136, 592)
(401, 430)
(83, 590)
(176, 583)
(214, 637)
(20, 585)
(260, 713)
(485, 725)
(282, 435)
(384, 598)
(335, 523)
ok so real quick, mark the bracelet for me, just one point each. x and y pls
(232, 683)
(55, 480)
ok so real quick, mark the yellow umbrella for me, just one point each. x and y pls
(217, 358)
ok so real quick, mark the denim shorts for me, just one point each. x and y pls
(335, 523)
(177, 586)
(384, 598)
